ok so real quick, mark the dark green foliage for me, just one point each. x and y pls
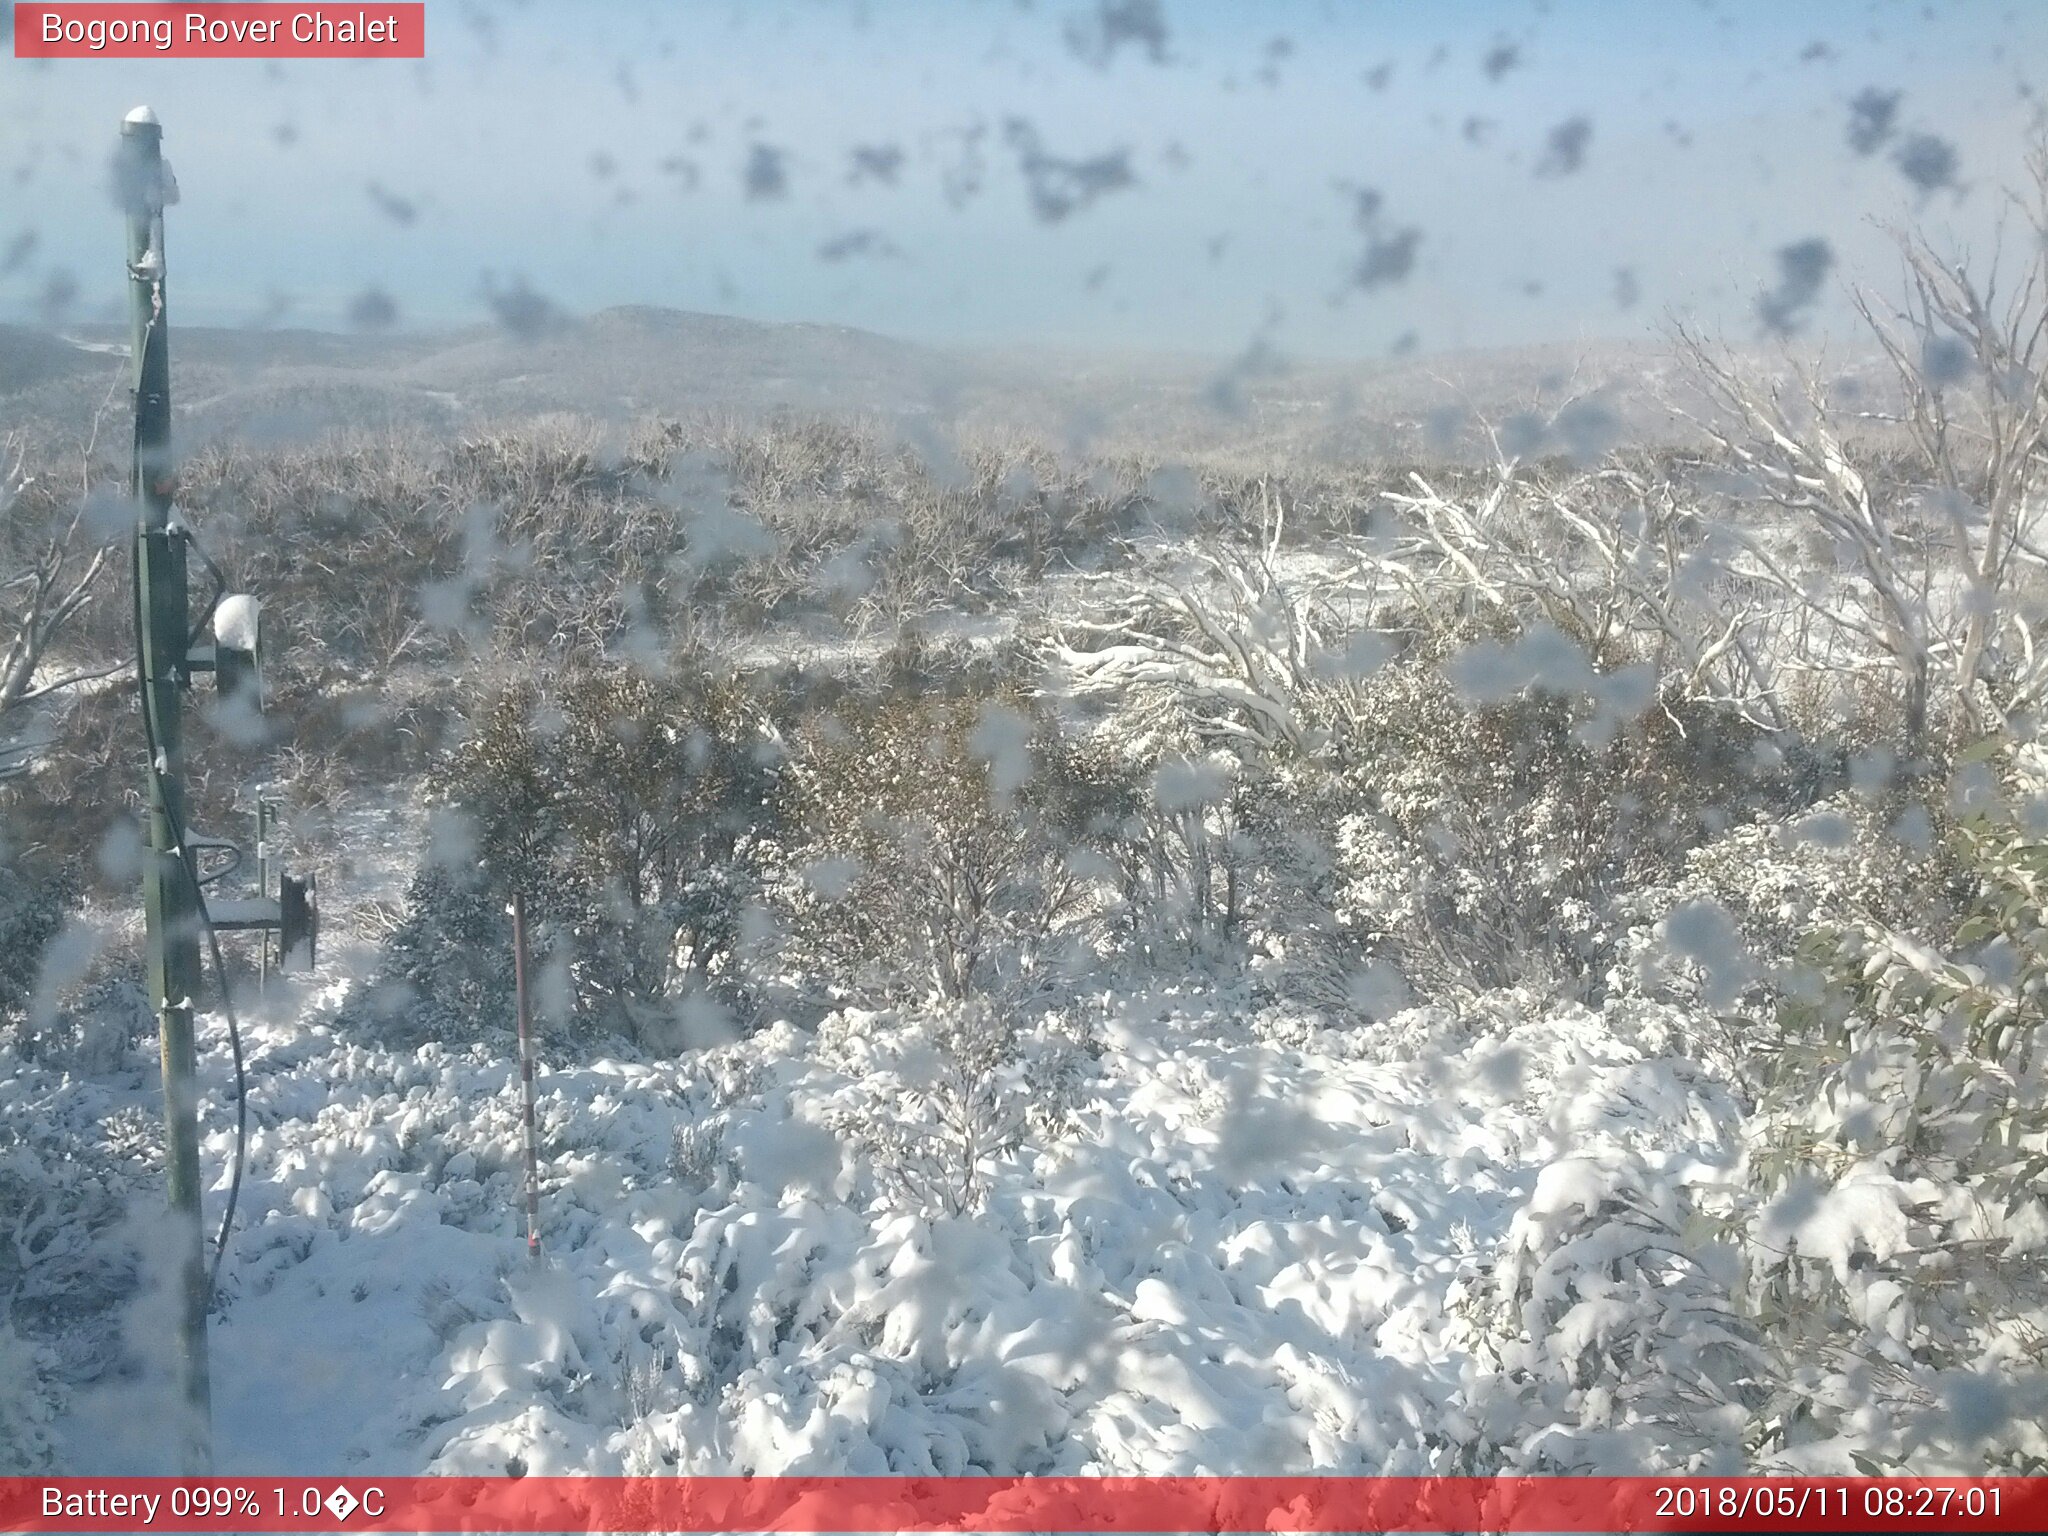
(34, 901)
(937, 843)
(666, 795)
(447, 970)
(633, 813)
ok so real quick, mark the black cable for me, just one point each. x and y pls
(227, 1215)
(185, 858)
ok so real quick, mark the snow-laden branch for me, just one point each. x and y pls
(1611, 560)
(51, 584)
(1236, 645)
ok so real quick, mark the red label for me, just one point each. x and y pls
(238, 31)
(957, 1505)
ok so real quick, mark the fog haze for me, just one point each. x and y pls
(1323, 180)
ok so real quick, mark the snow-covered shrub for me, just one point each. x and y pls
(795, 512)
(1061, 1067)
(1846, 857)
(1171, 825)
(62, 811)
(28, 1405)
(500, 794)
(697, 1157)
(962, 1106)
(937, 846)
(66, 1268)
(93, 1030)
(1619, 1342)
(1485, 842)
(1605, 1327)
(1207, 856)
(1230, 655)
(1388, 770)
(942, 1095)
(1897, 1199)
(1931, 534)
(1218, 692)
(1622, 556)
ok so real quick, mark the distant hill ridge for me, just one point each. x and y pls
(638, 359)
(31, 358)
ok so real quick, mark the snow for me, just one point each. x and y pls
(236, 622)
(1241, 1242)
(1865, 1212)
(109, 348)
(1239, 1257)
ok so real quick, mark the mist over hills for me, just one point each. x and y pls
(275, 385)
(617, 363)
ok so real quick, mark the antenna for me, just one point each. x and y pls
(170, 899)
(176, 909)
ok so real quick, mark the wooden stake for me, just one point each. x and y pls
(526, 1075)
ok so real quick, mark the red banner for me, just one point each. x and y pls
(237, 31)
(1019, 1504)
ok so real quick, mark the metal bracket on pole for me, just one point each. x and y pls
(292, 915)
(298, 923)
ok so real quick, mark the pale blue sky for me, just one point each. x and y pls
(533, 143)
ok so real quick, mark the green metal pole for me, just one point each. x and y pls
(163, 613)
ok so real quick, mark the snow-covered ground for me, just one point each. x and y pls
(1246, 1246)
(1516, 1232)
